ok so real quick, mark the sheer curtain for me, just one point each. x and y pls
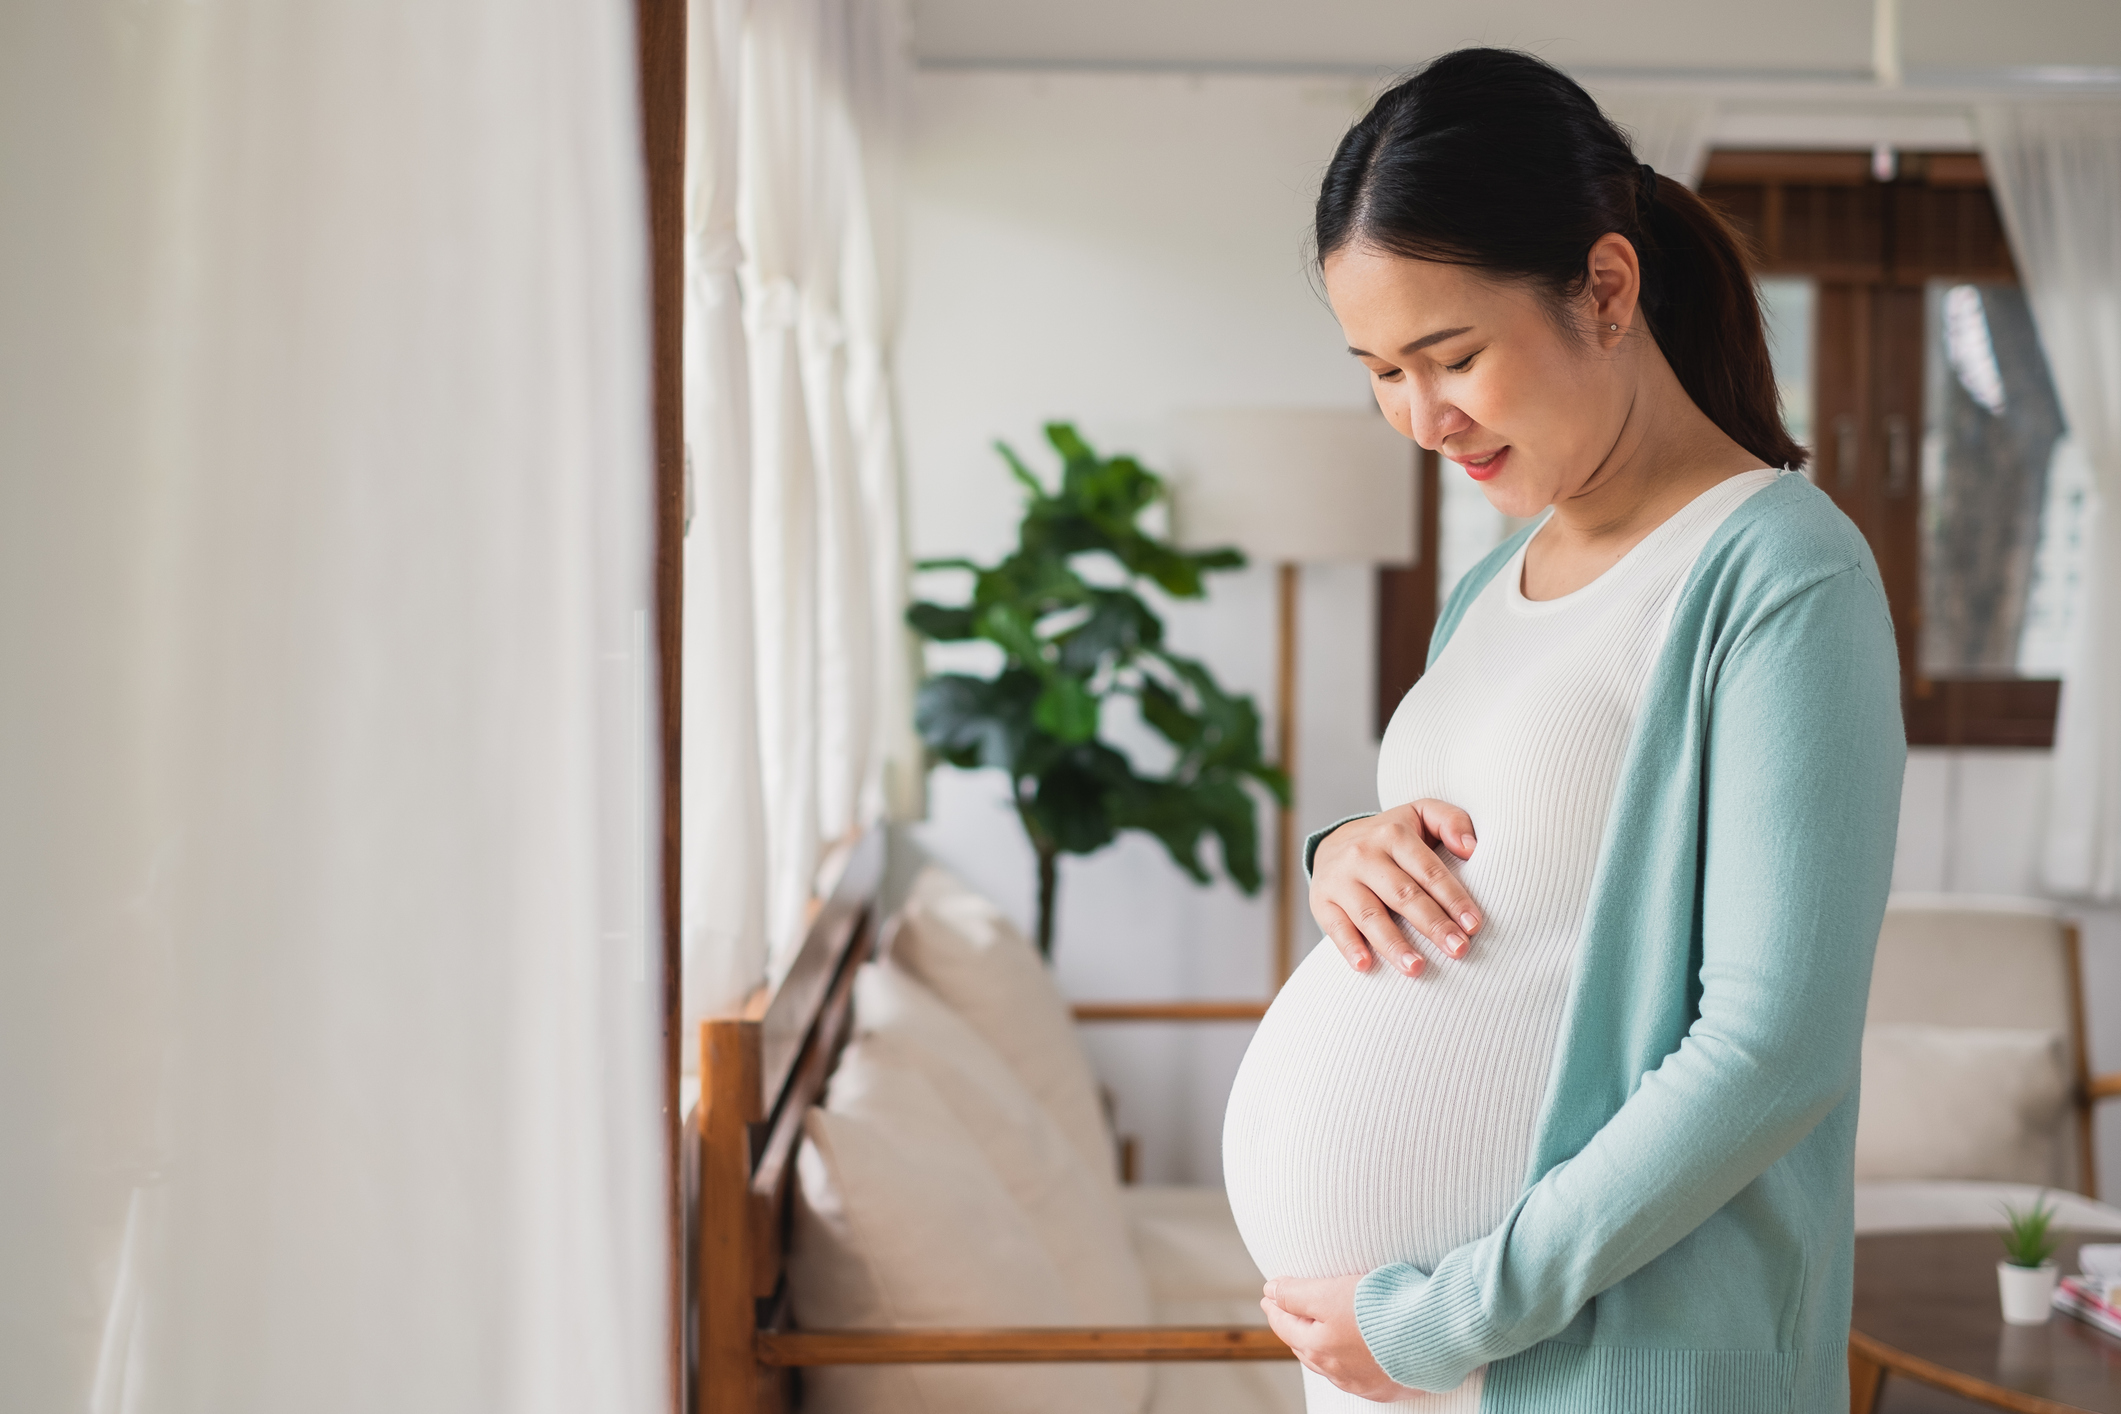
(328, 981)
(2056, 172)
(793, 177)
(723, 881)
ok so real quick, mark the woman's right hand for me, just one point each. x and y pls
(1370, 869)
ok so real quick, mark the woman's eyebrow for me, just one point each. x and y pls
(1419, 344)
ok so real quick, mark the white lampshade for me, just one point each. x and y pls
(1296, 485)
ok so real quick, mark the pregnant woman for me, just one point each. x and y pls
(1562, 1116)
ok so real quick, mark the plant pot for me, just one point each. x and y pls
(2028, 1293)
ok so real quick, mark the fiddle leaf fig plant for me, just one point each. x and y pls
(1071, 643)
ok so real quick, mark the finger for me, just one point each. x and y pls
(1380, 929)
(1290, 1329)
(1447, 823)
(1411, 899)
(1346, 937)
(1427, 918)
(1299, 1297)
(1438, 882)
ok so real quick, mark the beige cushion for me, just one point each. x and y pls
(1927, 1204)
(1078, 1218)
(1961, 1102)
(900, 1220)
(977, 961)
(1201, 1275)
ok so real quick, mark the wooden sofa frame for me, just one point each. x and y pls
(760, 1071)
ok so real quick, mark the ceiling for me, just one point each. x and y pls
(1947, 40)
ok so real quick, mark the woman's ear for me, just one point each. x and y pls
(1613, 280)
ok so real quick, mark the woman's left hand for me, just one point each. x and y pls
(1316, 1319)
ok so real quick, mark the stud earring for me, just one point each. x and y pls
(1614, 327)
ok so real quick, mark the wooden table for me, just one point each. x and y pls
(1926, 1310)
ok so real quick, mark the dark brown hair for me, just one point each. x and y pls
(1496, 160)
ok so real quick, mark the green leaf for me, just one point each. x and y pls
(939, 622)
(1067, 710)
(1071, 803)
(972, 722)
(1021, 472)
(1162, 710)
(1118, 625)
(1006, 625)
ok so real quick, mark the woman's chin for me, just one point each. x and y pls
(1512, 498)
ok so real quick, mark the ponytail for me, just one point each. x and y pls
(1496, 160)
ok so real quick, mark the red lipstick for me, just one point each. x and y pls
(1485, 467)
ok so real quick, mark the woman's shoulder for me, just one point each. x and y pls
(1784, 539)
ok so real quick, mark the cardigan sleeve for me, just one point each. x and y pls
(1804, 757)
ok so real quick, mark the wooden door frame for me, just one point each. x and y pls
(660, 34)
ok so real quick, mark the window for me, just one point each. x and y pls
(1909, 364)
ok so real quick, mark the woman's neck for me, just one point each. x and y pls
(1668, 452)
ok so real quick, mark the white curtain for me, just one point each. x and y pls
(329, 975)
(2056, 172)
(793, 167)
(723, 881)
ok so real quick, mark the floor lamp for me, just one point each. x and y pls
(1291, 487)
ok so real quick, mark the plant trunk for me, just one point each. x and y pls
(1048, 879)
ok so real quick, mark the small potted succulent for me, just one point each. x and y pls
(2025, 1278)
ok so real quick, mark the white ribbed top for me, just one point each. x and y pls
(1379, 1119)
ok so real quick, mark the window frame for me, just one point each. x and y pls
(1871, 247)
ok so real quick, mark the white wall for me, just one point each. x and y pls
(1109, 248)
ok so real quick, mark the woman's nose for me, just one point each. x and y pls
(1432, 420)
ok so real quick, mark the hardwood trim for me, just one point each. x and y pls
(2104, 1087)
(795, 1008)
(1937, 1376)
(1982, 711)
(1866, 1380)
(659, 27)
(1287, 583)
(1738, 166)
(2079, 1060)
(1170, 1011)
(1407, 598)
(1022, 1346)
(776, 1162)
(729, 1378)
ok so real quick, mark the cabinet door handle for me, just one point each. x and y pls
(1898, 456)
(1847, 444)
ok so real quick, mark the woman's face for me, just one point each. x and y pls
(1478, 370)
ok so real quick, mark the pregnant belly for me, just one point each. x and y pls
(1378, 1118)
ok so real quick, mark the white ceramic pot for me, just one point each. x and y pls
(2028, 1293)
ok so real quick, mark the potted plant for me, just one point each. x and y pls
(2025, 1278)
(1072, 641)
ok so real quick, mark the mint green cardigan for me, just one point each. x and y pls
(1684, 1241)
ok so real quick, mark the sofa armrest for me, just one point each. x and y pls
(1036, 1345)
(1177, 1011)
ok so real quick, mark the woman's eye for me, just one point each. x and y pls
(1387, 375)
(1462, 365)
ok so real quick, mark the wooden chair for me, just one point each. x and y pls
(759, 1073)
(1961, 960)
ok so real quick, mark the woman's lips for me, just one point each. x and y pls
(1485, 466)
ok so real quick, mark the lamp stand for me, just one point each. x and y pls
(1285, 861)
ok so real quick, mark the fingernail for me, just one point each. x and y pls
(1362, 964)
(1470, 919)
(1408, 962)
(1457, 945)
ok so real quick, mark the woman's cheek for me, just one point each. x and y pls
(1393, 404)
